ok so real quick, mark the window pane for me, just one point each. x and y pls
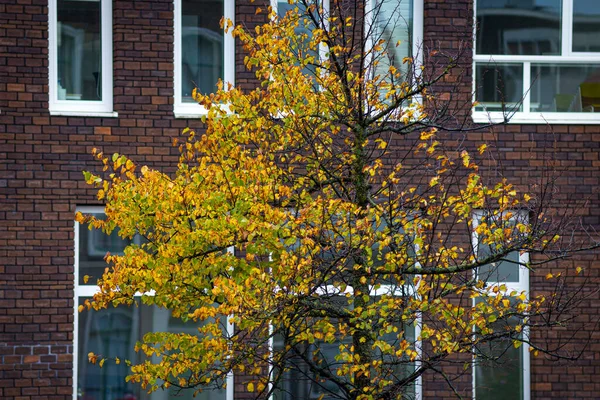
(499, 87)
(586, 25)
(499, 365)
(394, 24)
(305, 27)
(298, 382)
(519, 27)
(565, 88)
(502, 271)
(93, 246)
(114, 332)
(79, 50)
(201, 46)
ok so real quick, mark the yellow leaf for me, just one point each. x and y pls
(466, 159)
(250, 387)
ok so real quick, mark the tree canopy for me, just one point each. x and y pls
(320, 214)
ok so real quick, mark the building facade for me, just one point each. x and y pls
(118, 75)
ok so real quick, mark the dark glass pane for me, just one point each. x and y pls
(506, 270)
(586, 25)
(201, 46)
(113, 332)
(565, 88)
(530, 27)
(79, 50)
(499, 87)
(93, 246)
(298, 382)
(305, 27)
(499, 365)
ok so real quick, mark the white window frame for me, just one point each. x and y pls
(326, 10)
(102, 108)
(417, 32)
(404, 291)
(417, 42)
(521, 286)
(193, 110)
(90, 289)
(380, 291)
(567, 56)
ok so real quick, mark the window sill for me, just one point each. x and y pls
(190, 110)
(102, 114)
(187, 115)
(482, 117)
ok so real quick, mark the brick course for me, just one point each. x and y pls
(42, 156)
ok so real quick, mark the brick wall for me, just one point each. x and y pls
(42, 156)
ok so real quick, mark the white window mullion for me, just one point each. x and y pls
(567, 28)
(526, 87)
(229, 44)
(177, 53)
(52, 52)
(107, 55)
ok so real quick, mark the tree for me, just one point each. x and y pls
(366, 252)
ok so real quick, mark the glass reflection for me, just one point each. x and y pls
(114, 332)
(202, 63)
(586, 25)
(298, 382)
(79, 50)
(519, 27)
(93, 246)
(565, 88)
(499, 87)
(394, 24)
(498, 364)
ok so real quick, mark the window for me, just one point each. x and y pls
(399, 24)
(508, 376)
(298, 381)
(282, 7)
(203, 52)
(537, 61)
(114, 331)
(80, 57)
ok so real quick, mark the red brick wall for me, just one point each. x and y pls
(524, 153)
(42, 156)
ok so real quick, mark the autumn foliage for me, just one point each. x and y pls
(319, 211)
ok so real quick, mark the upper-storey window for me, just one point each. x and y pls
(394, 22)
(203, 52)
(309, 20)
(395, 33)
(537, 61)
(80, 57)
